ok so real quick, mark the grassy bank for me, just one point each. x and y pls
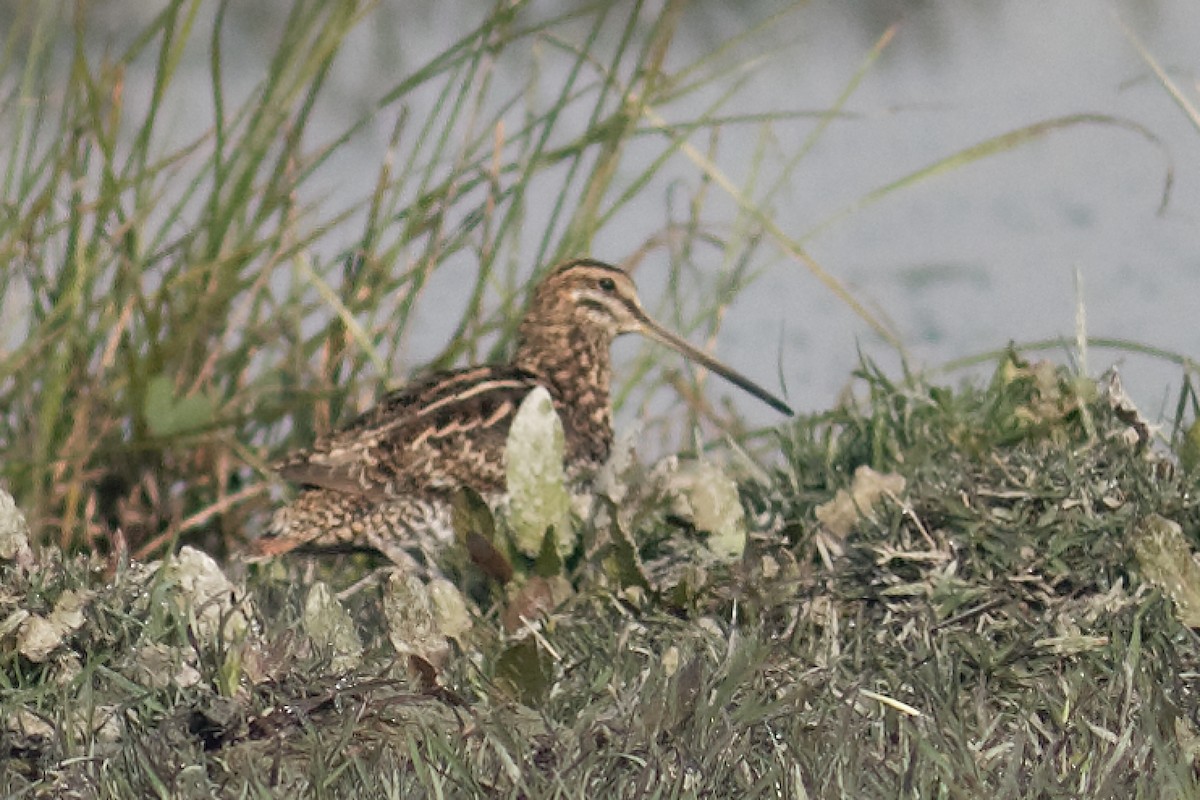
(996, 609)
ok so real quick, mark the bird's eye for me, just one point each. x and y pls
(608, 284)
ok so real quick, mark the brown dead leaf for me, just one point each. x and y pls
(839, 516)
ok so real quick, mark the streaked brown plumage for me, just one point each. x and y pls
(385, 479)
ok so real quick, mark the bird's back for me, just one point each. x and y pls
(442, 431)
(393, 468)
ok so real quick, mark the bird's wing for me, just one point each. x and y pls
(442, 431)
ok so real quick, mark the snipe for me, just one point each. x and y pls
(384, 480)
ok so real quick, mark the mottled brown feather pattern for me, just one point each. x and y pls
(384, 480)
(419, 438)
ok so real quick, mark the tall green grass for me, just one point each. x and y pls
(176, 309)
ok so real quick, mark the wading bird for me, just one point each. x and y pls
(385, 480)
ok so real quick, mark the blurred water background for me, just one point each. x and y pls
(959, 263)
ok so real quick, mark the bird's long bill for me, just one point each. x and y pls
(654, 331)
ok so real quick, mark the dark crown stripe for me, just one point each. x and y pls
(586, 263)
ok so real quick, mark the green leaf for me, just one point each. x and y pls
(331, 628)
(1167, 562)
(1189, 448)
(549, 561)
(708, 497)
(533, 464)
(167, 414)
(622, 563)
(528, 671)
(475, 527)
